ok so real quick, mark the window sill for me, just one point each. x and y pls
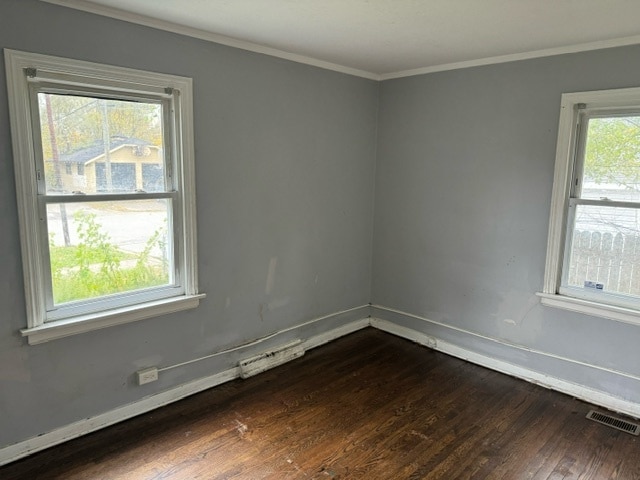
(620, 314)
(86, 323)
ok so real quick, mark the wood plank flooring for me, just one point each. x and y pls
(367, 406)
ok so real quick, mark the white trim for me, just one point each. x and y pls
(272, 358)
(590, 395)
(108, 311)
(19, 450)
(145, 20)
(91, 424)
(560, 193)
(331, 335)
(582, 392)
(208, 36)
(515, 57)
(564, 164)
(322, 338)
(186, 147)
(51, 66)
(597, 99)
(87, 323)
(499, 342)
(574, 304)
(27, 447)
(404, 332)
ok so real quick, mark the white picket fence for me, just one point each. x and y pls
(607, 258)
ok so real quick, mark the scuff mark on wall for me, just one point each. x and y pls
(278, 303)
(271, 274)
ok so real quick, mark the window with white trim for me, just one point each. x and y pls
(593, 257)
(112, 239)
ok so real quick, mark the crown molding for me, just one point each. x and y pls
(514, 57)
(147, 21)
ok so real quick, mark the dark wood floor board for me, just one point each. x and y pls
(539, 437)
(591, 458)
(559, 457)
(372, 439)
(507, 431)
(367, 397)
(483, 417)
(367, 406)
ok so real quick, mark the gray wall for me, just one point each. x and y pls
(285, 165)
(285, 170)
(463, 186)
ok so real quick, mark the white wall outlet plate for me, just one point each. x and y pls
(147, 375)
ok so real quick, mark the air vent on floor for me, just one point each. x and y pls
(617, 423)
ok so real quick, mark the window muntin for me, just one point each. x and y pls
(602, 250)
(46, 191)
(101, 253)
(556, 291)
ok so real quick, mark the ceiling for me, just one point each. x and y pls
(390, 38)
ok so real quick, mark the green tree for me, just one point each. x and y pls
(80, 121)
(612, 153)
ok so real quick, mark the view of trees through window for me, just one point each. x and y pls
(95, 147)
(605, 251)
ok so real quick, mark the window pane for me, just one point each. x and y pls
(95, 145)
(101, 248)
(605, 253)
(612, 159)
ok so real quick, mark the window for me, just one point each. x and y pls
(593, 257)
(98, 248)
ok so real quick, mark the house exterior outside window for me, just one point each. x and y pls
(109, 238)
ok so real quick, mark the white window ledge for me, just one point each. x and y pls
(620, 314)
(87, 323)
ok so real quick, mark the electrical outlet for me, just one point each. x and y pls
(147, 375)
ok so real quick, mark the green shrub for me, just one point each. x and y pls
(95, 267)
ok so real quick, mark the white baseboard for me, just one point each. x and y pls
(582, 392)
(82, 427)
(331, 335)
(88, 425)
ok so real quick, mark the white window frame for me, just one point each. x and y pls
(23, 69)
(557, 245)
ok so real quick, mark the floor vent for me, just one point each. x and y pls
(617, 423)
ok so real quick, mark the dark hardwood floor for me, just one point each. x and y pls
(368, 406)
